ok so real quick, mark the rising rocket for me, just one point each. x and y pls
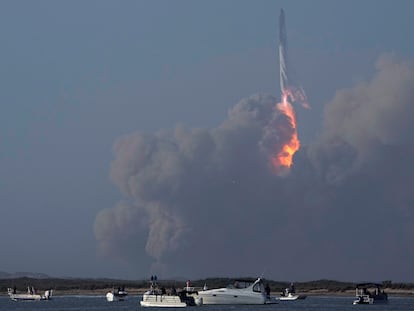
(283, 61)
(289, 86)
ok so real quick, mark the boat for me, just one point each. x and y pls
(116, 295)
(30, 295)
(241, 292)
(369, 293)
(289, 294)
(158, 297)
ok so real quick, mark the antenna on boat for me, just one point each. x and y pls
(263, 272)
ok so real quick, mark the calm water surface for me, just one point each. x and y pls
(78, 303)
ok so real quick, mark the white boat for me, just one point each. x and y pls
(151, 299)
(30, 295)
(241, 292)
(116, 295)
(156, 297)
(289, 294)
(369, 293)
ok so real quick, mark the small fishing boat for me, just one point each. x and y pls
(29, 295)
(289, 294)
(117, 295)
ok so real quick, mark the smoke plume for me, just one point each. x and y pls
(205, 202)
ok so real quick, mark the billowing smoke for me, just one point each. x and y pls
(204, 202)
(361, 121)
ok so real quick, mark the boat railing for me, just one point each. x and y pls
(376, 292)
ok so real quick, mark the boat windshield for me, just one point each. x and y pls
(258, 287)
(240, 284)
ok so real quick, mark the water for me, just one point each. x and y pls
(85, 303)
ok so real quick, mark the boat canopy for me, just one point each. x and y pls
(366, 285)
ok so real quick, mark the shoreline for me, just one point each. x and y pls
(310, 293)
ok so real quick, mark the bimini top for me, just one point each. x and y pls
(368, 284)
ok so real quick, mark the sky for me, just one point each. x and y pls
(131, 134)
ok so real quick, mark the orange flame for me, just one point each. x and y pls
(282, 161)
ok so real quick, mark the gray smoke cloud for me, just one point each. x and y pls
(360, 121)
(204, 202)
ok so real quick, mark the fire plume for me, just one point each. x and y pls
(282, 160)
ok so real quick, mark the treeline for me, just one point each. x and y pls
(68, 284)
(97, 284)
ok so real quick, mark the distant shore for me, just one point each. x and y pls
(312, 292)
(99, 287)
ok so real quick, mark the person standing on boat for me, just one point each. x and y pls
(292, 288)
(267, 289)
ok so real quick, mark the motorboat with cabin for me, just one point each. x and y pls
(118, 294)
(241, 292)
(369, 293)
(31, 294)
(158, 297)
(289, 294)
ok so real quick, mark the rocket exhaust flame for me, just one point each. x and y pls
(283, 159)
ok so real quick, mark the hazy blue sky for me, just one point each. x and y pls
(78, 75)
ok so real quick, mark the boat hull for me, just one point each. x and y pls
(242, 292)
(292, 297)
(216, 298)
(161, 301)
(16, 297)
(366, 300)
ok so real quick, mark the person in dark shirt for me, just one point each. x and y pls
(267, 289)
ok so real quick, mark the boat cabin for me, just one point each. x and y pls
(244, 283)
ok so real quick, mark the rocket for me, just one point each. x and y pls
(289, 86)
(283, 61)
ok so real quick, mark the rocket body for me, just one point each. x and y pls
(283, 61)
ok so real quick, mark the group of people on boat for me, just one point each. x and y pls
(121, 288)
(289, 290)
(30, 290)
(155, 290)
